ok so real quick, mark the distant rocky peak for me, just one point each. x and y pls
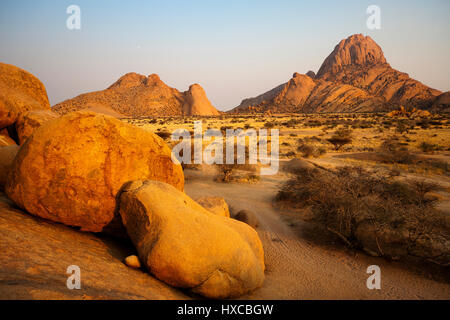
(355, 50)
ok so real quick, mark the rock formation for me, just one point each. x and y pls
(20, 91)
(186, 246)
(409, 113)
(356, 50)
(71, 169)
(135, 95)
(304, 94)
(355, 77)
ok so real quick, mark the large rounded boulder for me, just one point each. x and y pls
(20, 92)
(187, 246)
(71, 168)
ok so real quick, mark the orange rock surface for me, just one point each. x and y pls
(32, 120)
(187, 246)
(20, 91)
(7, 155)
(137, 96)
(71, 169)
(35, 255)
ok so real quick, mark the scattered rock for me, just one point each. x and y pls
(20, 91)
(133, 262)
(187, 246)
(31, 120)
(71, 169)
(421, 114)
(7, 155)
(248, 217)
(216, 205)
(410, 113)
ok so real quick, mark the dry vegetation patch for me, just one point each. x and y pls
(373, 212)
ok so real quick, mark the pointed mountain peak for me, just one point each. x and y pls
(355, 50)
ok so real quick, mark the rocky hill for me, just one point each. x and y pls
(137, 96)
(355, 77)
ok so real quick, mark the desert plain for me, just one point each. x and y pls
(95, 204)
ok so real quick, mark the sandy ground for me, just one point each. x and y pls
(302, 266)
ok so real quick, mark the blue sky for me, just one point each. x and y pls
(234, 49)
